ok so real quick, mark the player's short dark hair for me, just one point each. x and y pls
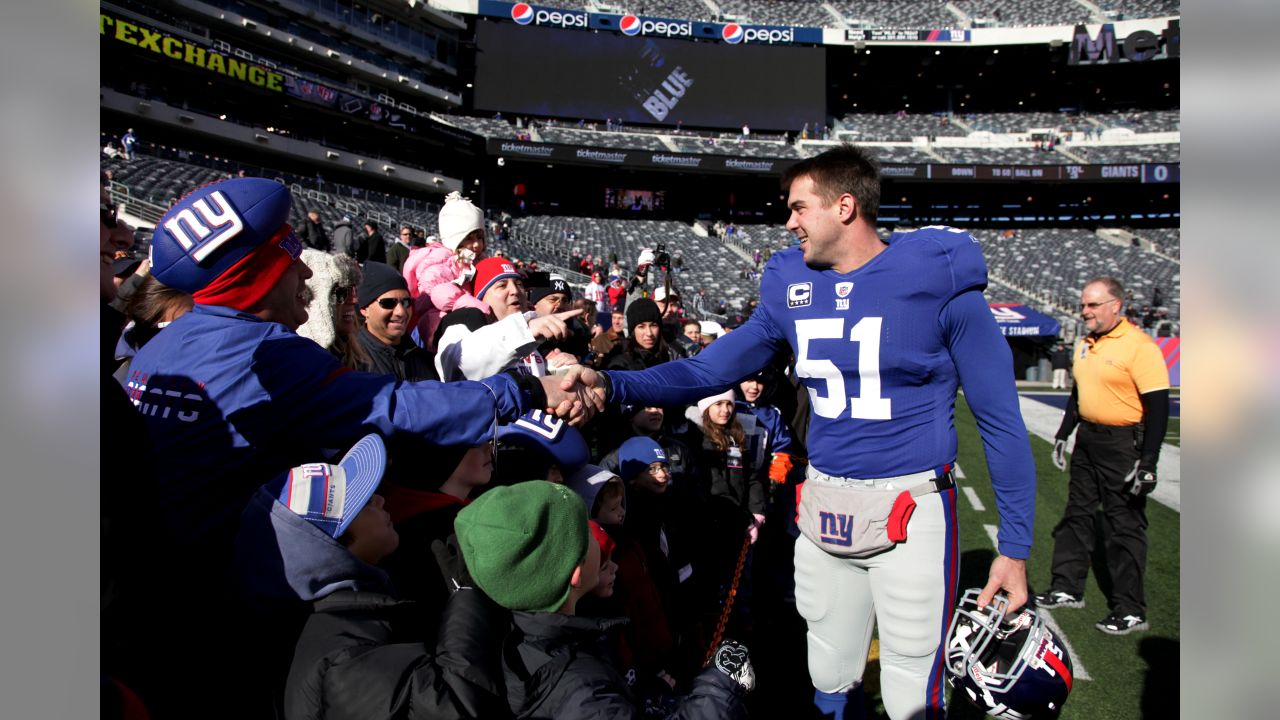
(843, 169)
(1113, 286)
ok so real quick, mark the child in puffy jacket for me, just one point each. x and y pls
(530, 549)
(440, 274)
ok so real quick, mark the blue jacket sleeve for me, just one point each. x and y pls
(332, 406)
(781, 433)
(985, 366)
(724, 362)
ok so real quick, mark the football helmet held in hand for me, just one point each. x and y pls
(1011, 667)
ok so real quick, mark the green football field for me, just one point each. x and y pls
(1131, 676)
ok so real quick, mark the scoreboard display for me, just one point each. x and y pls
(550, 72)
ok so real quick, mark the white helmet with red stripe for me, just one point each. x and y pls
(1013, 668)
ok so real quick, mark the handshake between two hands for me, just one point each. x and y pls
(576, 396)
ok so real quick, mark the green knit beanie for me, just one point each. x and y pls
(522, 542)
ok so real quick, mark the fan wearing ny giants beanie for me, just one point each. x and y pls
(232, 396)
(472, 344)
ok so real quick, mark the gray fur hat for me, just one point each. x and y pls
(328, 273)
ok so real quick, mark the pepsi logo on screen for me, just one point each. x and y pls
(522, 13)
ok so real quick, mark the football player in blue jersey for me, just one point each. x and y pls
(884, 332)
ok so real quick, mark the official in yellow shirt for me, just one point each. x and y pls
(1120, 402)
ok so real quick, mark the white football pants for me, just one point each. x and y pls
(909, 591)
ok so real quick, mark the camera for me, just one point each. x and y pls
(662, 258)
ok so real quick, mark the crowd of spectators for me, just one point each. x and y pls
(358, 537)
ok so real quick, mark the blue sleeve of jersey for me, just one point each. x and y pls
(968, 266)
(724, 362)
(985, 366)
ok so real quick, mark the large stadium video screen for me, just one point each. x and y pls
(580, 74)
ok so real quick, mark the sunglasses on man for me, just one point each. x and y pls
(390, 303)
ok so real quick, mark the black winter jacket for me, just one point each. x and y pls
(558, 667)
(624, 357)
(361, 656)
(406, 361)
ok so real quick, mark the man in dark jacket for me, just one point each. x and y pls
(387, 310)
(344, 239)
(312, 233)
(375, 244)
(528, 547)
(399, 250)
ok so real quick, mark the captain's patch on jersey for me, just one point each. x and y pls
(799, 295)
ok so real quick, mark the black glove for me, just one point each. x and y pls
(1140, 481)
(733, 659)
(452, 566)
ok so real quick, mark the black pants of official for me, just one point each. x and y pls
(1103, 456)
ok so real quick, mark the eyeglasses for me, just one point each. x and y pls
(1096, 305)
(109, 215)
(344, 293)
(390, 303)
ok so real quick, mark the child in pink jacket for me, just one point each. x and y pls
(440, 274)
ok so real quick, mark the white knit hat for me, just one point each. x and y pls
(458, 219)
(646, 257)
(327, 272)
(707, 402)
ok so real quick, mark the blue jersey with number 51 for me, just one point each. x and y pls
(881, 351)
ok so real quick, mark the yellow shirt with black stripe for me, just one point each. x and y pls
(1113, 371)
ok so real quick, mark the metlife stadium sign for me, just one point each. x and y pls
(646, 26)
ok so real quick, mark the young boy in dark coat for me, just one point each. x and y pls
(529, 548)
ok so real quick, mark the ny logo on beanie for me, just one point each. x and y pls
(220, 224)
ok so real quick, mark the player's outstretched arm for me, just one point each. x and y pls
(721, 364)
